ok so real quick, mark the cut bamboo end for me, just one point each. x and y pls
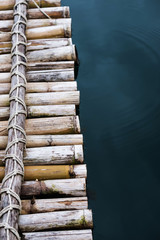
(56, 220)
(53, 205)
(51, 172)
(47, 140)
(58, 155)
(59, 235)
(53, 12)
(42, 126)
(9, 4)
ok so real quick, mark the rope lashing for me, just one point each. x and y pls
(12, 123)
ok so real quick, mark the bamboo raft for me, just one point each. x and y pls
(54, 204)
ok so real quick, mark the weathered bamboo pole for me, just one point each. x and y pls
(40, 44)
(55, 75)
(51, 155)
(61, 187)
(58, 31)
(42, 87)
(75, 187)
(59, 235)
(6, 25)
(52, 12)
(14, 168)
(38, 66)
(66, 53)
(56, 220)
(47, 140)
(42, 111)
(51, 98)
(32, 173)
(41, 126)
(8, 4)
(53, 205)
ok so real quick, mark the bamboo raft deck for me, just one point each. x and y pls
(53, 194)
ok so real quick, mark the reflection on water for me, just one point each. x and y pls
(119, 78)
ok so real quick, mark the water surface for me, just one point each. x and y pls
(119, 78)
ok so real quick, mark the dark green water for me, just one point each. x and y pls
(119, 78)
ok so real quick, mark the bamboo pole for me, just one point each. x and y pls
(12, 181)
(47, 140)
(8, 4)
(55, 75)
(56, 220)
(66, 53)
(42, 111)
(6, 25)
(52, 12)
(53, 205)
(40, 44)
(57, 155)
(32, 173)
(61, 187)
(42, 87)
(38, 66)
(75, 187)
(58, 31)
(41, 126)
(59, 235)
(50, 98)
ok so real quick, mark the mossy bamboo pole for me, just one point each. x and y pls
(59, 235)
(42, 126)
(47, 140)
(8, 4)
(51, 172)
(56, 220)
(75, 187)
(57, 155)
(6, 25)
(52, 12)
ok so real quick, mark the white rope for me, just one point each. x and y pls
(12, 124)
(40, 9)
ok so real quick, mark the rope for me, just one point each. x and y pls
(12, 124)
(40, 9)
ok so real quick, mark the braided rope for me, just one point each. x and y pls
(12, 124)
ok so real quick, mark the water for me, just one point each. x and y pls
(119, 78)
